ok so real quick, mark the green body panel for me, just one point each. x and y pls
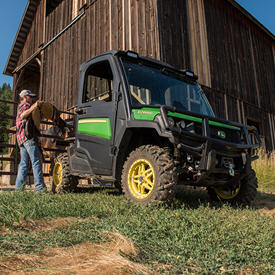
(150, 113)
(100, 127)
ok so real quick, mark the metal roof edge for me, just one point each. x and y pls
(252, 18)
(6, 72)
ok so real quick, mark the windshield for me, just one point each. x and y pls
(150, 86)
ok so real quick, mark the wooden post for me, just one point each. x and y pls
(272, 129)
(198, 41)
(254, 69)
(226, 106)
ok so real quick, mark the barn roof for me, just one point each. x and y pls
(29, 14)
(21, 36)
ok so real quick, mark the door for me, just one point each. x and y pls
(95, 124)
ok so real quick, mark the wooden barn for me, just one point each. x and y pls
(232, 53)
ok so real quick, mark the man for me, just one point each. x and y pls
(28, 147)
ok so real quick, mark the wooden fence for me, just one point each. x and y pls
(13, 157)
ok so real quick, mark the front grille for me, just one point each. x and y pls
(225, 134)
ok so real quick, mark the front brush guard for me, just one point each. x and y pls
(206, 151)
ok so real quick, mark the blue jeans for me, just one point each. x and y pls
(30, 150)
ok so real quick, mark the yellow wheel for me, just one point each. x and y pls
(62, 180)
(141, 178)
(57, 174)
(148, 175)
(242, 193)
(228, 194)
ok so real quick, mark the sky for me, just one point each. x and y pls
(11, 13)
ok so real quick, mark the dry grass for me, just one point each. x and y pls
(81, 259)
(265, 170)
(39, 225)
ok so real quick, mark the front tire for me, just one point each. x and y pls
(149, 175)
(62, 180)
(242, 194)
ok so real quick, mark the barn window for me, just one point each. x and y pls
(78, 5)
(51, 5)
(98, 82)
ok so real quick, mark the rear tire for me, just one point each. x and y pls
(243, 194)
(62, 180)
(148, 175)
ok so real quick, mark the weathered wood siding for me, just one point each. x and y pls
(233, 57)
(106, 25)
(240, 55)
(198, 42)
(35, 36)
(174, 47)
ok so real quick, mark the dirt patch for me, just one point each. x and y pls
(40, 225)
(82, 259)
(265, 204)
(267, 212)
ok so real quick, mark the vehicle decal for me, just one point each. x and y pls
(100, 127)
(145, 113)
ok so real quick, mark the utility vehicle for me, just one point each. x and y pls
(148, 127)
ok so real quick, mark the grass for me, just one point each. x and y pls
(191, 235)
(265, 170)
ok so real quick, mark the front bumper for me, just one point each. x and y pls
(209, 149)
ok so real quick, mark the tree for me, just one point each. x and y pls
(5, 108)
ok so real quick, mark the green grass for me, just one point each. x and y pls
(193, 234)
(265, 170)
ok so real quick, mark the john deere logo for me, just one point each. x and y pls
(221, 134)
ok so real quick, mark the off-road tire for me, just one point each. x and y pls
(164, 174)
(246, 194)
(68, 183)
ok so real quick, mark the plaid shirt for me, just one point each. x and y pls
(20, 123)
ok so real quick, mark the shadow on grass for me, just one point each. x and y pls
(264, 201)
(90, 190)
(192, 198)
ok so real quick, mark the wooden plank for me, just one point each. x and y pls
(134, 25)
(114, 24)
(7, 116)
(3, 145)
(272, 133)
(7, 131)
(8, 101)
(54, 150)
(123, 26)
(10, 173)
(7, 159)
(141, 28)
(119, 25)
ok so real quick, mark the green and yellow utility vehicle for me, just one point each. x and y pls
(148, 127)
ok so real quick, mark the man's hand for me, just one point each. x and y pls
(25, 114)
(38, 103)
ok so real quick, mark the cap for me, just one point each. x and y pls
(26, 93)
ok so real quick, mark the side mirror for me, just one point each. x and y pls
(80, 111)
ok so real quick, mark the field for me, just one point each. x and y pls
(99, 232)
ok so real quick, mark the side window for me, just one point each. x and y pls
(98, 82)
